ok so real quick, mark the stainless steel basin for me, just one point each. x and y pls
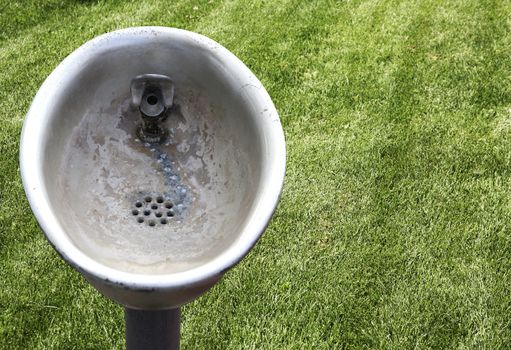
(152, 226)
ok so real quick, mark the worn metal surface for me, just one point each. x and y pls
(83, 168)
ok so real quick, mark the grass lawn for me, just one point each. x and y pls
(394, 228)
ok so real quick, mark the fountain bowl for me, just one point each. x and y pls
(152, 226)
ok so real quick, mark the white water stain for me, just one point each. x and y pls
(106, 168)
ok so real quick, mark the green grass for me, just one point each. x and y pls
(394, 228)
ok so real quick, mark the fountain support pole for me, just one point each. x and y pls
(152, 329)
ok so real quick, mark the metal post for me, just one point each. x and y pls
(152, 329)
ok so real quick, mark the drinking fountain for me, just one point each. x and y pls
(153, 160)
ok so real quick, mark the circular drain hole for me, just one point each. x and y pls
(153, 209)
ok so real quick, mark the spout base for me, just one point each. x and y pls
(155, 134)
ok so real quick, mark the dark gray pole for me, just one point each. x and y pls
(152, 329)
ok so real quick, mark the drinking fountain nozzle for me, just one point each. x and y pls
(153, 95)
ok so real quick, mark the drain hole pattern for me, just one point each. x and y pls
(152, 211)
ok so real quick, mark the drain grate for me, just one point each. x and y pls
(153, 210)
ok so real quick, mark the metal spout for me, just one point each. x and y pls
(153, 95)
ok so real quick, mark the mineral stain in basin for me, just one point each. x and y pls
(158, 208)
